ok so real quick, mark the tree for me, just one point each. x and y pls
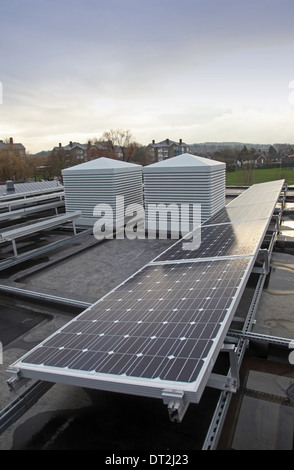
(272, 152)
(58, 160)
(122, 145)
(11, 166)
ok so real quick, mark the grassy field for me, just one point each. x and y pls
(246, 178)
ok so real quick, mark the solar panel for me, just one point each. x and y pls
(165, 323)
(263, 192)
(228, 239)
(239, 213)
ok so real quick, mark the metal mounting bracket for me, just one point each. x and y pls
(16, 381)
(265, 269)
(177, 405)
(230, 382)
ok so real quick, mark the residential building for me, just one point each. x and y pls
(288, 160)
(157, 152)
(74, 150)
(104, 148)
(12, 149)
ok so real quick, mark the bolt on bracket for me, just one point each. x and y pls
(177, 404)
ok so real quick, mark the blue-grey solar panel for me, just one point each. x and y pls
(228, 239)
(160, 324)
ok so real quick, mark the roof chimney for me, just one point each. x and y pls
(70, 143)
(11, 141)
(10, 186)
(180, 141)
(153, 141)
(60, 145)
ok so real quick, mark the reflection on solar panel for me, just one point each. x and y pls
(239, 213)
(242, 238)
(162, 329)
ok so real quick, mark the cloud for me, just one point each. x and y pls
(77, 67)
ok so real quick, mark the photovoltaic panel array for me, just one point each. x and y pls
(162, 329)
(160, 324)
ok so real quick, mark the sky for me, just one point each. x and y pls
(199, 70)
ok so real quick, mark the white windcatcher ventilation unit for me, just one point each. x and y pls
(102, 181)
(184, 179)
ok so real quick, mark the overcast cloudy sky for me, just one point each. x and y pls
(200, 70)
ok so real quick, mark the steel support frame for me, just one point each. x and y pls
(22, 403)
(229, 382)
(40, 251)
(13, 240)
(217, 422)
(43, 297)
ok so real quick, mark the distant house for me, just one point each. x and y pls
(12, 149)
(288, 159)
(261, 160)
(104, 148)
(266, 159)
(74, 150)
(157, 152)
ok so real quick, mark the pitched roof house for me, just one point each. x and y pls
(12, 148)
(167, 148)
(74, 149)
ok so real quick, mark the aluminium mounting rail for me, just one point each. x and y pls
(8, 263)
(12, 234)
(30, 200)
(241, 339)
(31, 210)
(9, 234)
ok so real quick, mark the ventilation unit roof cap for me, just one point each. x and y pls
(186, 162)
(102, 165)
